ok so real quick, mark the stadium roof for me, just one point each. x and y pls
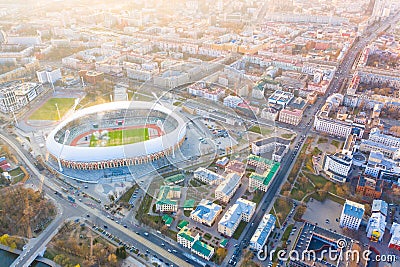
(97, 154)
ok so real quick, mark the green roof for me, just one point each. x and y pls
(185, 233)
(202, 248)
(182, 224)
(261, 159)
(266, 177)
(223, 242)
(166, 202)
(189, 203)
(174, 179)
(167, 219)
(162, 195)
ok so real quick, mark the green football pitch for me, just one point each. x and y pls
(48, 111)
(121, 137)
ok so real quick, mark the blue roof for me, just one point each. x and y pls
(265, 228)
(380, 206)
(353, 211)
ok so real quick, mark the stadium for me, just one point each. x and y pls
(116, 134)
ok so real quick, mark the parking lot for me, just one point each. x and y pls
(324, 214)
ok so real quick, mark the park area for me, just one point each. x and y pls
(48, 111)
(119, 137)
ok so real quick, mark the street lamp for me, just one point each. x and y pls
(58, 112)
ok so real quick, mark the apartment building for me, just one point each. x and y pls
(206, 212)
(291, 116)
(263, 231)
(352, 214)
(242, 210)
(227, 188)
(208, 177)
(377, 222)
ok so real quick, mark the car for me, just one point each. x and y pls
(105, 227)
(162, 244)
(174, 250)
(126, 226)
(169, 250)
(87, 215)
(146, 234)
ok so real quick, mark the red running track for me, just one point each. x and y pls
(75, 141)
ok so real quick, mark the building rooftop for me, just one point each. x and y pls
(209, 175)
(234, 213)
(202, 248)
(229, 184)
(206, 210)
(353, 209)
(174, 179)
(379, 205)
(264, 229)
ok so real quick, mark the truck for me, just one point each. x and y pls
(71, 199)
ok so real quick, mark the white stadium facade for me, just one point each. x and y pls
(68, 142)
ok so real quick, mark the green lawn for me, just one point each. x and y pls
(48, 110)
(121, 137)
(318, 180)
(287, 136)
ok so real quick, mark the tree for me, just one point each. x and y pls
(112, 258)
(220, 254)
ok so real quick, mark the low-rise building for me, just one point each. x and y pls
(242, 210)
(337, 167)
(280, 97)
(192, 242)
(165, 200)
(266, 171)
(377, 222)
(394, 242)
(203, 250)
(264, 229)
(186, 238)
(369, 187)
(377, 136)
(352, 214)
(206, 212)
(209, 177)
(291, 116)
(235, 166)
(389, 151)
(267, 145)
(380, 167)
(225, 190)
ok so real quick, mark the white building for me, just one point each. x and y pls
(377, 136)
(242, 210)
(209, 177)
(352, 215)
(49, 76)
(120, 93)
(378, 166)
(395, 239)
(377, 222)
(225, 190)
(206, 212)
(264, 229)
(337, 166)
(232, 101)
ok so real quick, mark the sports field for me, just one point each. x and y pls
(48, 111)
(120, 137)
